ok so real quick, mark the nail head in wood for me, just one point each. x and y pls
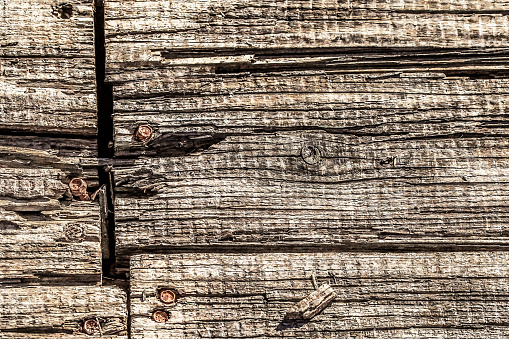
(312, 304)
(90, 326)
(160, 316)
(78, 188)
(143, 133)
(167, 296)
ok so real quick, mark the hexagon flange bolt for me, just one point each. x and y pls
(90, 326)
(143, 133)
(167, 296)
(78, 188)
(160, 316)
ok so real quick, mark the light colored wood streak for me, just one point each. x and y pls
(380, 295)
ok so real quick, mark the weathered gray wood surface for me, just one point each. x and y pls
(380, 295)
(321, 189)
(59, 312)
(47, 234)
(150, 33)
(197, 108)
(47, 73)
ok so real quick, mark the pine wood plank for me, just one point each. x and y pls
(380, 295)
(47, 82)
(59, 311)
(48, 236)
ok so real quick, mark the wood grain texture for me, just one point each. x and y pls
(47, 235)
(380, 295)
(47, 82)
(59, 312)
(320, 189)
(207, 107)
(148, 32)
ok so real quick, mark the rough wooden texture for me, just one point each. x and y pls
(193, 110)
(316, 188)
(59, 312)
(380, 295)
(150, 32)
(47, 74)
(47, 235)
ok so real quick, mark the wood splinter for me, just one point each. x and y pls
(312, 304)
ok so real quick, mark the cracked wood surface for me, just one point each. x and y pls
(308, 188)
(47, 235)
(147, 33)
(47, 67)
(380, 295)
(59, 311)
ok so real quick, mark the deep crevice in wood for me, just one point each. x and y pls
(104, 135)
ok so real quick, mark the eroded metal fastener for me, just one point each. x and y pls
(90, 326)
(78, 188)
(143, 133)
(160, 316)
(167, 296)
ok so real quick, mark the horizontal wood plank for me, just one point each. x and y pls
(318, 189)
(152, 31)
(380, 295)
(47, 234)
(47, 67)
(60, 311)
(210, 107)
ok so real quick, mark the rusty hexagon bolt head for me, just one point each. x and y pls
(160, 316)
(167, 296)
(90, 326)
(143, 133)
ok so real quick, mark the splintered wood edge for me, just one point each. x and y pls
(312, 304)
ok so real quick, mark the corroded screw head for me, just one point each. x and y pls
(160, 316)
(78, 186)
(90, 326)
(143, 133)
(167, 296)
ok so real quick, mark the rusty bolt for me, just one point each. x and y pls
(78, 188)
(167, 296)
(90, 326)
(160, 316)
(143, 133)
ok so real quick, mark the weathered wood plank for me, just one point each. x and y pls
(47, 234)
(59, 312)
(380, 295)
(151, 31)
(47, 82)
(319, 189)
(209, 106)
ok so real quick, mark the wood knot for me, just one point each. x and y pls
(90, 326)
(160, 316)
(74, 232)
(311, 155)
(143, 133)
(62, 11)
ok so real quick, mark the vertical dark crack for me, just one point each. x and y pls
(104, 139)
